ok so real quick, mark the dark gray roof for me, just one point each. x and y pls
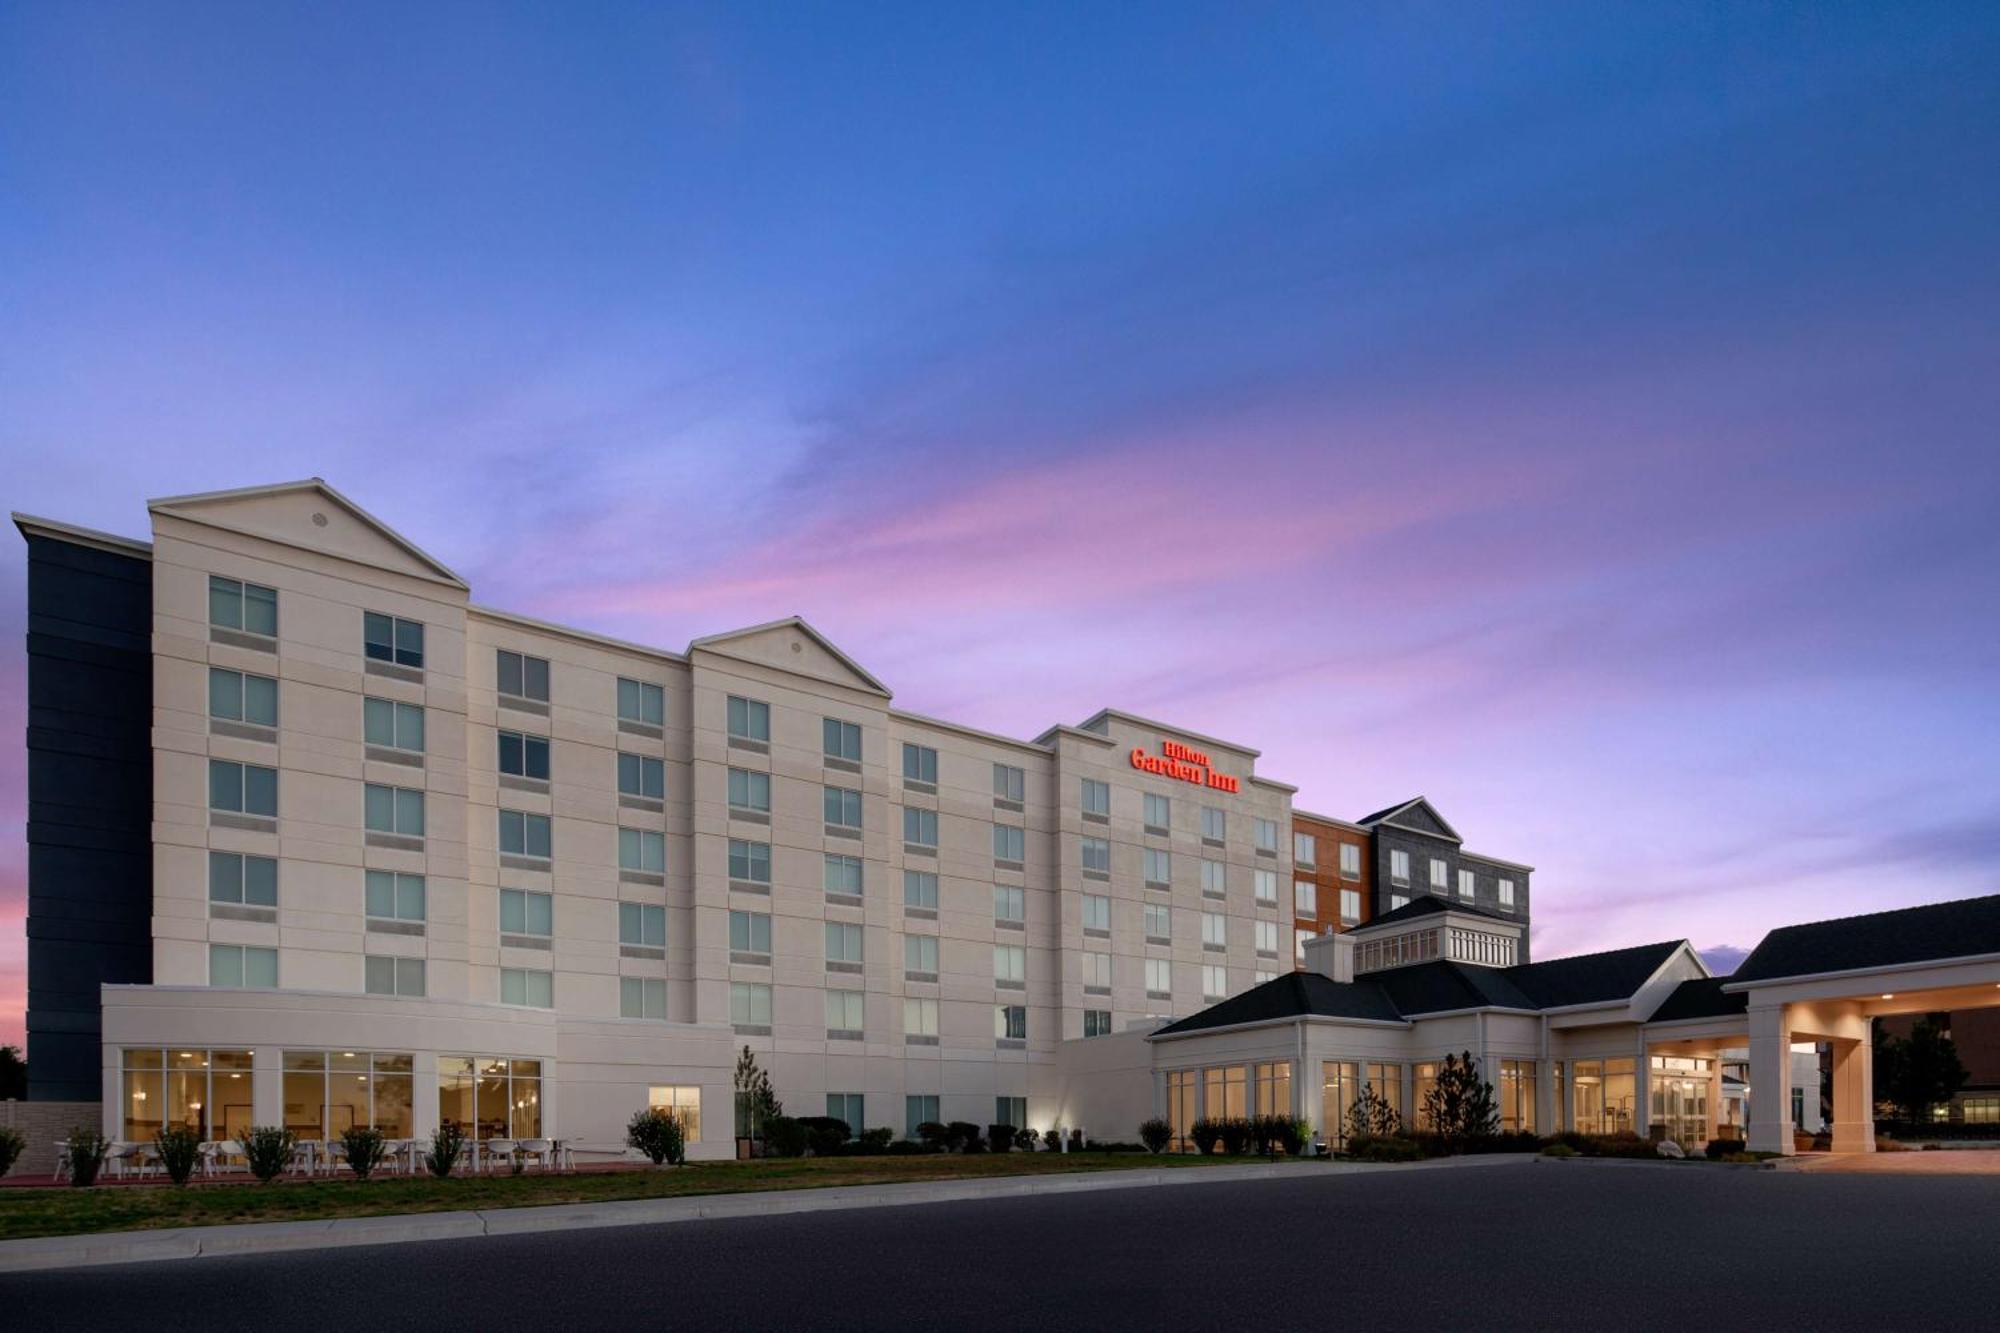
(1591, 978)
(1291, 996)
(1386, 811)
(1442, 985)
(1966, 928)
(1430, 905)
(1701, 998)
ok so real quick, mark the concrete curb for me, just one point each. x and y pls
(124, 1247)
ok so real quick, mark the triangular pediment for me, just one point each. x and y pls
(311, 516)
(792, 645)
(1417, 816)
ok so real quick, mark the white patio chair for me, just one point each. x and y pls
(540, 1151)
(499, 1150)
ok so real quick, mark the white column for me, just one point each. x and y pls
(1853, 1096)
(267, 1086)
(1770, 1080)
(1642, 1091)
(1714, 1093)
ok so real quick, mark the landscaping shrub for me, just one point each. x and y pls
(447, 1146)
(1513, 1140)
(1206, 1134)
(904, 1148)
(1156, 1134)
(179, 1147)
(1298, 1136)
(785, 1137)
(1559, 1150)
(825, 1134)
(657, 1132)
(963, 1136)
(1026, 1139)
(876, 1140)
(1000, 1138)
(1263, 1134)
(1384, 1148)
(1718, 1149)
(268, 1149)
(1095, 1146)
(1236, 1135)
(365, 1149)
(12, 1144)
(933, 1135)
(86, 1149)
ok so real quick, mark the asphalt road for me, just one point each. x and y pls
(1528, 1245)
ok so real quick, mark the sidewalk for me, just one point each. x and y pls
(119, 1247)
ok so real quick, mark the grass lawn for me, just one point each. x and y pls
(71, 1211)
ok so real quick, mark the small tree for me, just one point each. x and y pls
(756, 1103)
(12, 1144)
(179, 1147)
(1917, 1072)
(658, 1133)
(1156, 1134)
(1372, 1116)
(364, 1148)
(447, 1144)
(268, 1150)
(1460, 1104)
(13, 1075)
(86, 1149)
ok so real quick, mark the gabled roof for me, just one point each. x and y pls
(1388, 816)
(1703, 997)
(1443, 985)
(1292, 995)
(1592, 978)
(1431, 905)
(720, 642)
(183, 506)
(1967, 928)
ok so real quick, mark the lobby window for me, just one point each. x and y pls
(1305, 898)
(643, 925)
(1214, 930)
(1299, 938)
(1517, 1096)
(383, 975)
(750, 1004)
(684, 1102)
(1183, 1086)
(642, 850)
(1423, 1081)
(1305, 849)
(326, 1092)
(1158, 812)
(920, 955)
(242, 789)
(1096, 797)
(1097, 1022)
(1225, 1091)
(397, 810)
(641, 702)
(1507, 893)
(1265, 883)
(750, 932)
(1159, 978)
(396, 726)
(1213, 823)
(846, 1014)
(1010, 962)
(643, 997)
(1466, 883)
(1273, 1088)
(1350, 860)
(391, 896)
(523, 834)
(1009, 783)
(846, 1107)
(1214, 981)
(641, 775)
(1399, 867)
(1010, 1023)
(920, 1017)
(748, 719)
(843, 942)
(919, 763)
(1009, 843)
(524, 756)
(519, 676)
(920, 889)
(918, 1110)
(249, 607)
(523, 912)
(750, 861)
(239, 696)
(1010, 903)
(1387, 1080)
(1159, 920)
(920, 827)
(1267, 937)
(1097, 971)
(490, 1097)
(1266, 835)
(841, 806)
(1096, 853)
(843, 875)
(1096, 911)
(749, 791)
(238, 965)
(1350, 905)
(1159, 866)
(1440, 873)
(840, 740)
(206, 1091)
(1214, 879)
(392, 639)
(247, 881)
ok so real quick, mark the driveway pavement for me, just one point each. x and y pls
(1940, 1162)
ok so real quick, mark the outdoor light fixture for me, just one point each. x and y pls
(1888, 995)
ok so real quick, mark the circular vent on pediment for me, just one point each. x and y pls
(319, 520)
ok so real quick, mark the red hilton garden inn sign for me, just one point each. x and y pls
(1189, 765)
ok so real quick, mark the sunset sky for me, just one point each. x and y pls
(1582, 415)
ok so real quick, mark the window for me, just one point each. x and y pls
(642, 850)
(1214, 881)
(1097, 1022)
(1507, 893)
(1009, 783)
(1350, 860)
(749, 719)
(237, 965)
(846, 1011)
(918, 1110)
(642, 924)
(1399, 867)
(1096, 911)
(392, 639)
(750, 861)
(1011, 1111)
(1305, 849)
(1350, 905)
(1398, 900)
(642, 997)
(1465, 883)
(1305, 898)
(842, 806)
(522, 677)
(841, 740)
(1009, 843)
(1096, 854)
(525, 756)
(749, 791)
(1159, 868)
(389, 896)
(251, 881)
(1267, 936)
(395, 725)
(843, 875)
(920, 954)
(846, 1108)
(1159, 977)
(397, 810)
(641, 775)
(523, 912)
(919, 763)
(527, 986)
(238, 696)
(1214, 981)
(1517, 1096)
(1010, 1023)
(1267, 835)
(750, 932)
(244, 789)
(1265, 886)
(843, 942)
(1158, 811)
(490, 1097)
(1096, 798)
(1097, 971)
(1213, 822)
(1440, 873)
(1214, 930)
(920, 889)
(383, 975)
(685, 1103)
(1159, 921)
(523, 834)
(750, 1003)
(920, 1017)
(641, 702)
(1010, 902)
(920, 827)
(1299, 938)
(250, 607)
(326, 1092)
(1010, 962)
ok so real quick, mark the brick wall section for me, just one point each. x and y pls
(1326, 877)
(43, 1124)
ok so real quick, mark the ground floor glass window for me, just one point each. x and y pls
(208, 1091)
(1517, 1096)
(684, 1102)
(491, 1097)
